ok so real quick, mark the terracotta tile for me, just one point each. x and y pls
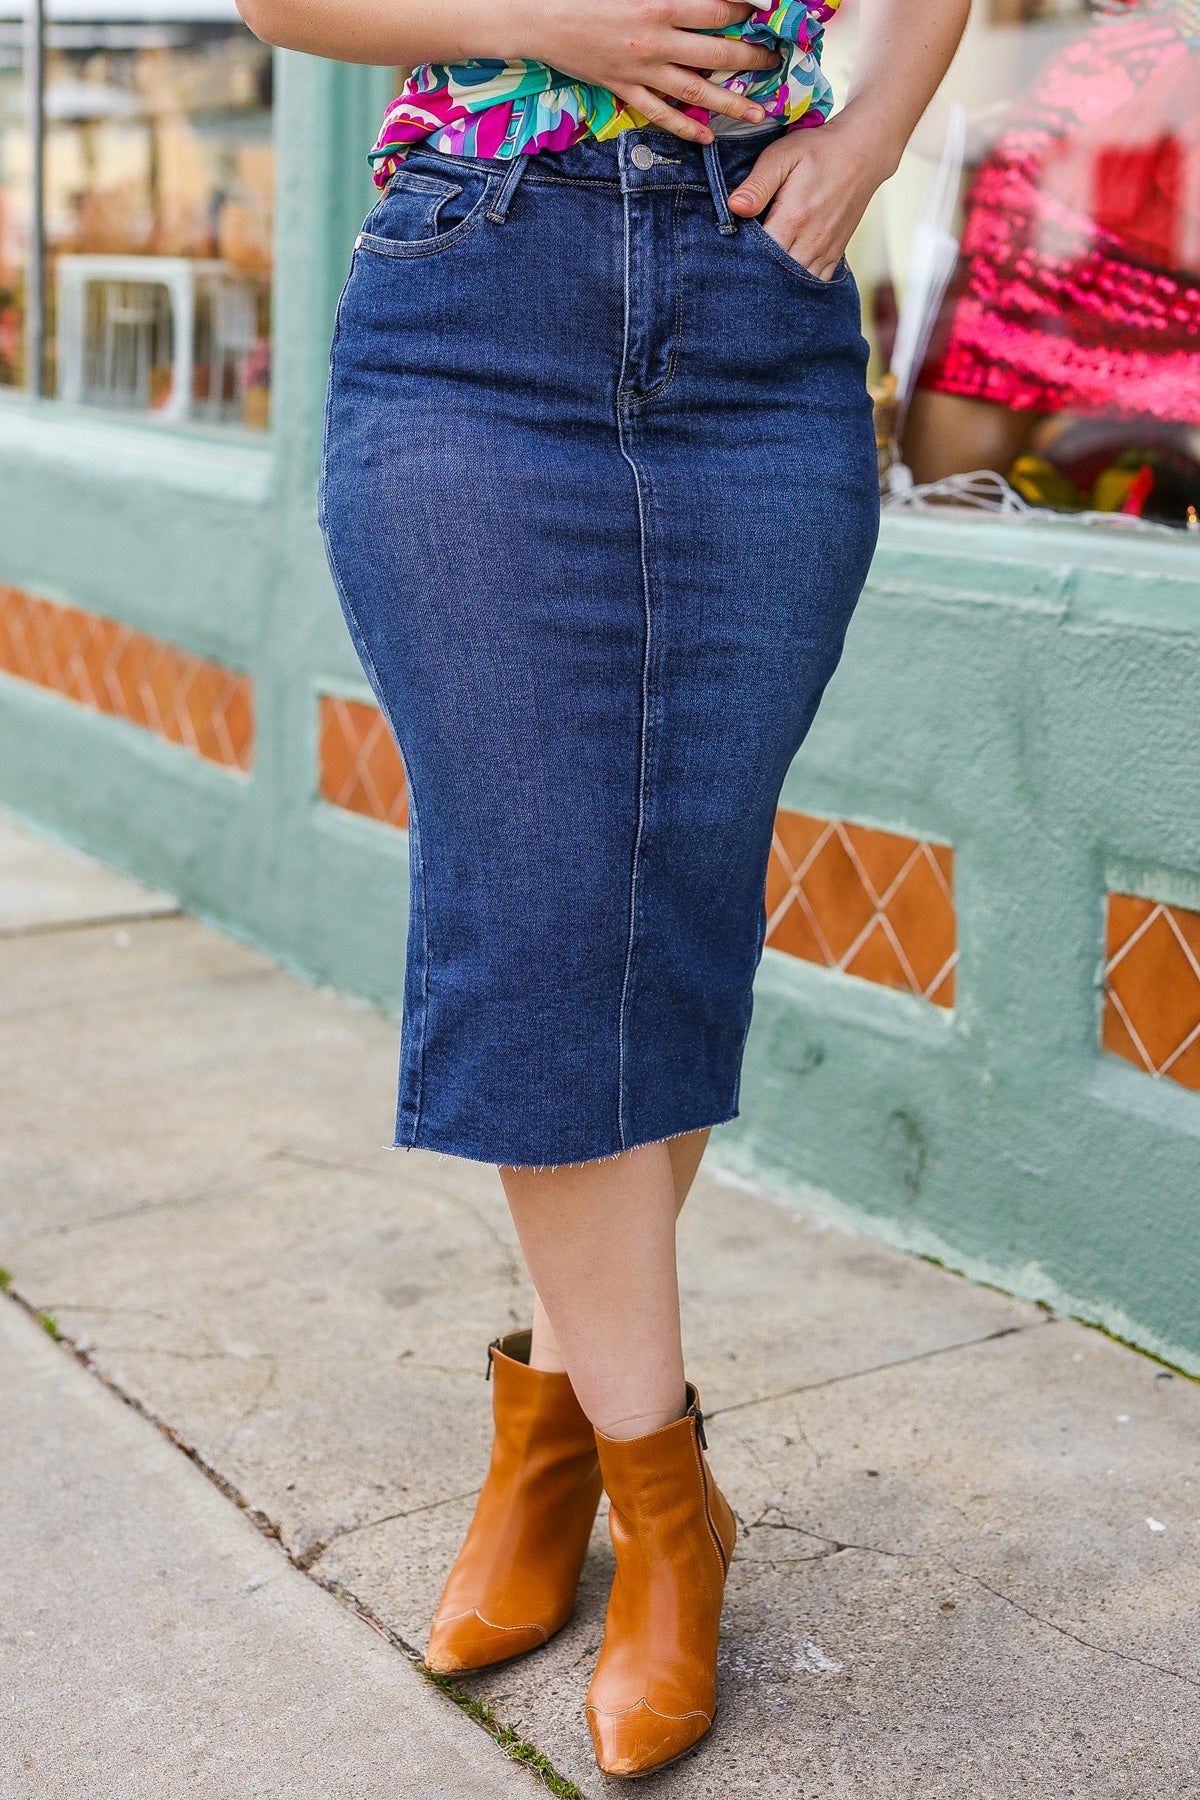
(922, 917)
(779, 880)
(335, 751)
(14, 645)
(882, 854)
(237, 715)
(796, 834)
(1152, 987)
(1115, 1037)
(38, 660)
(126, 674)
(161, 685)
(943, 856)
(842, 906)
(792, 930)
(876, 960)
(111, 692)
(9, 629)
(197, 702)
(383, 771)
(111, 668)
(1186, 1068)
(874, 904)
(360, 768)
(63, 628)
(85, 665)
(943, 992)
(1125, 913)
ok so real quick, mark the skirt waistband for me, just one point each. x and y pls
(637, 160)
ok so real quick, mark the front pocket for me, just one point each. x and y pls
(760, 235)
(422, 213)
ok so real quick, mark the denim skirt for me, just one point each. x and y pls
(599, 494)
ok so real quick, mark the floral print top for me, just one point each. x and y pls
(487, 107)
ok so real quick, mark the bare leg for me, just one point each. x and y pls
(685, 1153)
(947, 434)
(599, 1240)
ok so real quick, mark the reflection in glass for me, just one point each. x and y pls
(159, 193)
(14, 203)
(1065, 352)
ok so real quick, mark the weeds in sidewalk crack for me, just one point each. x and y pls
(516, 1747)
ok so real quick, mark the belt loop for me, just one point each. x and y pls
(726, 222)
(498, 212)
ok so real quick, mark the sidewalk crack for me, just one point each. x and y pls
(312, 1554)
(1142, 1662)
(58, 927)
(898, 1362)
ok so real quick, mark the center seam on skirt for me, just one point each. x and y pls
(624, 419)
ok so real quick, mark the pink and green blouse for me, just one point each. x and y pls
(486, 107)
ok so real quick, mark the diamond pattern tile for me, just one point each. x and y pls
(865, 902)
(114, 669)
(870, 903)
(358, 762)
(1152, 988)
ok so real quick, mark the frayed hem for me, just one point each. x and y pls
(582, 1163)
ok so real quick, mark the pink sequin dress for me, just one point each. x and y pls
(1069, 292)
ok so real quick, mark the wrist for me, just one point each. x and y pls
(874, 139)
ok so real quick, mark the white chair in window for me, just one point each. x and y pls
(234, 335)
(130, 313)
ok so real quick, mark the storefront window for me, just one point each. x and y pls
(14, 203)
(156, 218)
(1044, 319)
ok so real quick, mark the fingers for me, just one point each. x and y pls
(709, 15)
(695, 49)
(655, 109)
(764, 180)
(693, 90)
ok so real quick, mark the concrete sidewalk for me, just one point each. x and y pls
(968, 1565)
(155, 1643)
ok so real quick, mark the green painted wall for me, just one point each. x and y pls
(1027, 694)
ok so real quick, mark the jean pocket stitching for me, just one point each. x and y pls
(793, 266)
(401, 249)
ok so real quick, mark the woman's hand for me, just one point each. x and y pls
(821, 180)
(819, 183)
(644, 50)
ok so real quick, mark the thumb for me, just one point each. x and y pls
(763, 181)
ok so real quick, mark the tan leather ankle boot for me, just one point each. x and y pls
(513, 1584)
(654, 1691)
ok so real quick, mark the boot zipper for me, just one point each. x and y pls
(695, 1413)
(494, 1345)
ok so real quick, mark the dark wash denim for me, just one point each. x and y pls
(599, 495)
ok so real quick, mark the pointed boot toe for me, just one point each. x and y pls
(654, 1691)
(638, 1740)
(472, 1642)
(514, 1580)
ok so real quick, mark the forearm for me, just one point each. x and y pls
(391, 32)
(904, 49)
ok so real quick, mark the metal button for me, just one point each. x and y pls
(642, 156)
